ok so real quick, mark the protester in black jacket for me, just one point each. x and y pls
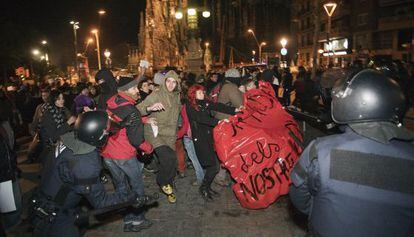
(108, 86)
(202, 124)
(54, 122)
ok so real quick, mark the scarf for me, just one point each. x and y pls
(57, 113)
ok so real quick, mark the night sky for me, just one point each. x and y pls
(26, 22)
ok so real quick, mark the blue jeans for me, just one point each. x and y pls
(189, 147)
(127, 176)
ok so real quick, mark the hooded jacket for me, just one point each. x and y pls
(230, 95)
(108, 88)
(127, 140)
(167, 120)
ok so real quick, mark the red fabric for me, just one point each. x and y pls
(258, 148)
(118, 146)
(146, 147)
(185, 128)
(179, 149)
(145, 119)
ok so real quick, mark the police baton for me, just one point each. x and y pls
(83, 217)
(308, 117)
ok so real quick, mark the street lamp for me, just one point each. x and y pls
(206, 14)
(46, 56)
(95, 32)
(107, 54)
(253, 55)
(258, 45)
(75, 25)
(178, 15)
(330, 9)
(35, 52)
(260, 51)
(191, 12)
(283, 42)
(101, 12)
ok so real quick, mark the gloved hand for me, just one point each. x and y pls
(145, 200)
(146, 147)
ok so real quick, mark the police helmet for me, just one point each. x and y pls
(366, 97)
(91, 127)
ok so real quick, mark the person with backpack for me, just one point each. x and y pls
(120, 152)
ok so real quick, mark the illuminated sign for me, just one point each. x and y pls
(336, 45)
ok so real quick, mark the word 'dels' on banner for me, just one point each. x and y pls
(259, 158)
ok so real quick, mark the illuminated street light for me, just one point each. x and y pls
(260, 51)
(75, 25)
(207, 44)
(101, 12)
(107, 53)
(108, 61)
(95, 32)
(330, 9)
(206, 14)
(191, 12)
(283, 42)
(44, 42)
(35, 52)
(179, 15)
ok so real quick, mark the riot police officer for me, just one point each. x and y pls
(360, 182)
(73, 174)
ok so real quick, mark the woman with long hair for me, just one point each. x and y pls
(202, 124)
(54, 122)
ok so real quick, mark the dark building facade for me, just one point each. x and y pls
(360, 29)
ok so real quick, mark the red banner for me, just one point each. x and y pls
(259, 147)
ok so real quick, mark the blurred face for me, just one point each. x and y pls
(92, 90)
(214, 78)
(85, 91)
(133, 92)
(60, 102)
(171, 84)
(45, 96)
(250, 86)
(145, 87)
(200, 95)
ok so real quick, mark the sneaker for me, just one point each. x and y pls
(172, 198)
(167, 189)
(133, 227)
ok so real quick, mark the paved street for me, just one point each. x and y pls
(190, 216)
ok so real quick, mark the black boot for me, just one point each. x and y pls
(205, 192)
(213, 192)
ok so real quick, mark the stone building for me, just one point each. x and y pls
(361, 29)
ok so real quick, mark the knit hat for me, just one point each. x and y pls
(159, 78)
(125, 83)
(232, 73)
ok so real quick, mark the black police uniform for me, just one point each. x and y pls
(360, 183)
(73, 174)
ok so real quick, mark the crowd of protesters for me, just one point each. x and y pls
(168, 117)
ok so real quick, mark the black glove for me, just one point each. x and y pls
(145, 200)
